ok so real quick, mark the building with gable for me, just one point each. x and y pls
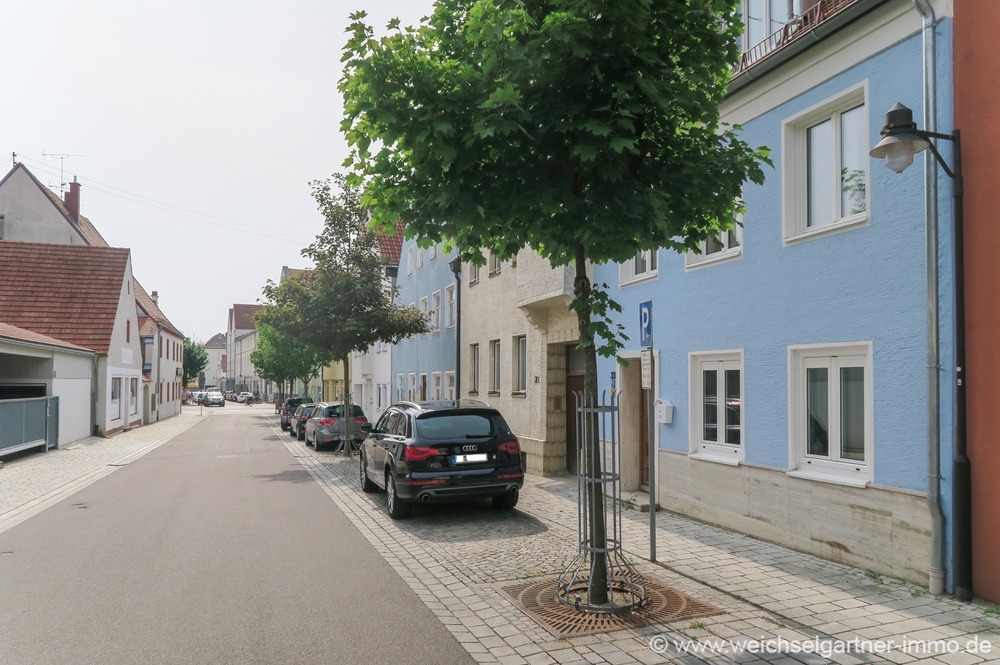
(82, 298)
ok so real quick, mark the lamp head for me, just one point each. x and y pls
(901, 139)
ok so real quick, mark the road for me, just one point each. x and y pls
(216, 547)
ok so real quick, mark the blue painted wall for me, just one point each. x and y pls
(866, 283)
(433, 352)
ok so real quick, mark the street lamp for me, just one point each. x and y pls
(901, 140)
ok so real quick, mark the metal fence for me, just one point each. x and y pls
(29, 423)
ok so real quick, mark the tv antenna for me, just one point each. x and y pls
(62, 160)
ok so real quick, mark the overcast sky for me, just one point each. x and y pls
(193, 126)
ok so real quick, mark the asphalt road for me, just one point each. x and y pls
(216, 547)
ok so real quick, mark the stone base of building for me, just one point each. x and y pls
(885, 530)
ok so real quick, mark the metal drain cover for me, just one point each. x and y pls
(537, 599)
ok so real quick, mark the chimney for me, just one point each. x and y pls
(72, 200)
(155, 297)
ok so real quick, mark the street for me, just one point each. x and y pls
(216, 547)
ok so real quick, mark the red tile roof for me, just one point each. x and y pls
(218, 341)
(242, 316)
(69, 292)
(145, 304)
(21, 335)
(391, 246)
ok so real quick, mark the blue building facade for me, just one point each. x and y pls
(423, 367)
(794, 350)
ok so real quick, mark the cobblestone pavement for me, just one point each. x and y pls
(779, 606)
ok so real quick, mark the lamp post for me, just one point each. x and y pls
(901, 140)
(456, 267)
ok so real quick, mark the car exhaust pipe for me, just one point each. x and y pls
(425, 498)
(513, 491)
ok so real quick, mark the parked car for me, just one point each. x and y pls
(288, 408)
(242, 397)
(327, 423)
(297, 423)
(441, 451)
(214, 398)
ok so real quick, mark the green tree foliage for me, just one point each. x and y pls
(195, 360)
(342, 305)
(588, 130)
(281, 359)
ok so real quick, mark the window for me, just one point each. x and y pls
(640, 268)
(826, 167)
(473, 274)
(520, 364)
(133, 397)
(409, 260)
(399, 388)
(412, 393)
(433, 252)
(716, 392)
(727, 245)
(450, 307)
(474, 369)
(495, 366)
(128, 332)
(762, 18)
(115, 408)
(423, 388)
(449, 379)
(436, 385)
(830, 413)
(435, 312)
(494, 264)
(425, 313)
(420, 258)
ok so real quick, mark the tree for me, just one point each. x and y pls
(195, 360)
(279, 358)
(343, 304)
(588, 130)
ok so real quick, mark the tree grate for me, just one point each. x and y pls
(663, 604)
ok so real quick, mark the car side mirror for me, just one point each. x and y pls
(367, 428)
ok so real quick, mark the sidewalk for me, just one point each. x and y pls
(466, 562)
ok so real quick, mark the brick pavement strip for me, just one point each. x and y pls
(459, 568)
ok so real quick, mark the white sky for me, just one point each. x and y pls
(194, 128)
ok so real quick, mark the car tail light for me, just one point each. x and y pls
(510, 447)
(361, 420)
(418, 453)
(507, 476)
(429, 481)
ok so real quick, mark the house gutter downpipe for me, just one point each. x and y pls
(936, 574)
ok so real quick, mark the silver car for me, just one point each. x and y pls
(327, 424)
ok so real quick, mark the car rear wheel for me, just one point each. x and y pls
(396, 506)
(506, 501)
(366, 484)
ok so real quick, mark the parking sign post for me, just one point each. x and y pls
(648, 381)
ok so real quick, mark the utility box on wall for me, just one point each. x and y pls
(664, 411)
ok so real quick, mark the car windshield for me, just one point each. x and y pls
(460, 425)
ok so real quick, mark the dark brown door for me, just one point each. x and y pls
(574, 383)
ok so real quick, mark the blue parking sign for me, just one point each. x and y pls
(646, 323)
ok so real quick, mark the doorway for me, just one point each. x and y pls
(574, 384)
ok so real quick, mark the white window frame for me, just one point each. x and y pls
(699, 447)
(474, 368)
(115, 403)
(433, 252)
(519, 367)
(795, 175)
(399, 388)
(436, 386)
(449, 380)
(420, 258)
(494, 265)
(412, 393)
(729, 243)
(830, 468)
(409, 260)
(630, 272)
(450, 307)
(425, 313)
(495, 366)
(473, 274)
(422, 388)
(435, 312)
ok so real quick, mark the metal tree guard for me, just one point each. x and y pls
(597, 425)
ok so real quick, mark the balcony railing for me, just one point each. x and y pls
(793, 30)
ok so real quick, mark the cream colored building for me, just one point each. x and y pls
(518, 337)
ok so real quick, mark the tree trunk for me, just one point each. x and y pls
(598, 593)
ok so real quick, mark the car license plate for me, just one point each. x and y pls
(465, 459)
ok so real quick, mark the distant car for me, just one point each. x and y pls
(242, 397)
(441, 451)
(326, 426)
(214, 398)
(288, 408)
(297, 423)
